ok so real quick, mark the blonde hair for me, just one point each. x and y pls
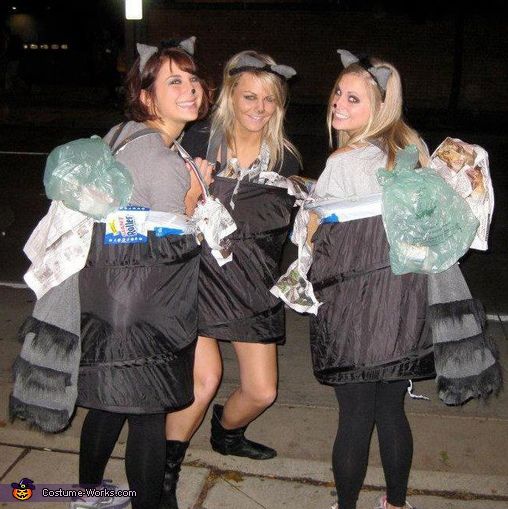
(223, 117)
(386, 122)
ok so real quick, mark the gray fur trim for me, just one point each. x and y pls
(49, 337)
(456, 309)
(464, 358)
(42, 419)
(39, 378)
(459, 391)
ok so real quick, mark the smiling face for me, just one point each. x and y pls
(254, 103)
(351, 107)
(177, 95)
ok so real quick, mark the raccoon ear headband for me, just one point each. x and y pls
(145, 51)
(251, 63)
(380, 74)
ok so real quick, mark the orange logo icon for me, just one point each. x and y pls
(23, 490)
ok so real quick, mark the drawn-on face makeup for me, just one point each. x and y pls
(351, 105)
(253, 103)
(178, 95)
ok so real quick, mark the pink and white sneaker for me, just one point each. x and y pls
(382, 504)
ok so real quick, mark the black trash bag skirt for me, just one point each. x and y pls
(371, 325)
(138, 324)
(235, 303)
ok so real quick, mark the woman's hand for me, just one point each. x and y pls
(195, 191)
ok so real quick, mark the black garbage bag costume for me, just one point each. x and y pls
(235, 303)
(138, 324)
(361, 297)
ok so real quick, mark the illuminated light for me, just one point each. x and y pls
(54, 46)
(133, 9)
(25, 46)
(44, 46)
(34, 46)
(64, 46)
(13, 7)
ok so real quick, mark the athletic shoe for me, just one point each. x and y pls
(382, 504)
(103, 502)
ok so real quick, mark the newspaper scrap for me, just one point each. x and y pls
(57, 248)
(299, 187)
(293, 288)
(214, 221)
(466, 168)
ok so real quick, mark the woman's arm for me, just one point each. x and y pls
(312, 226)
(194, 193)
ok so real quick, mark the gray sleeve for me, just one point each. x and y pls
(161, 179)
(328, 183)
(168, 183)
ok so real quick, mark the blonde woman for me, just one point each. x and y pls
(246, 137)
(367, 339)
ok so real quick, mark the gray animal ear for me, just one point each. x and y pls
(145, 52)
(249, 61)
(346, 57)
(284, 70)
(381, 74)
(188, 45)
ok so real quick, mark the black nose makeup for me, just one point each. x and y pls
(193, 91)
(334, 105)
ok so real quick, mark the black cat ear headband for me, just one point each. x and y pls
(145, 51)
(251, 63)
(380, 74)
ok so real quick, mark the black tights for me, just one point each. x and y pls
(363, 405)
(144, 456)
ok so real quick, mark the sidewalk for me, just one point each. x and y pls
(460, 459)
(461, 454)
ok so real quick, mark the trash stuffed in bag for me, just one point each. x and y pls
(85, 176)
(428, 225)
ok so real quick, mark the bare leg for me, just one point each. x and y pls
(258, 384)
(183, 424)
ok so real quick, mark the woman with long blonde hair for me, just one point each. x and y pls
(246, 137)
(368, 338)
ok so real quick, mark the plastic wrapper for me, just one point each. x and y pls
(85, 176)
(466, 168)
(428, 225)
(332, 210)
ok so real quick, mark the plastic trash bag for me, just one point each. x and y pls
(85, 176)
(428, 225)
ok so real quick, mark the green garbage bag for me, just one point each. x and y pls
(85, 176)
(428, 225)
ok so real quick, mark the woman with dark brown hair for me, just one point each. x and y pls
(139, 300)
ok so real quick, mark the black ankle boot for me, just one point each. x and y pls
(233, 441)
(175, 453)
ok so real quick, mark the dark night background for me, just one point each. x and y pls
(452, 57)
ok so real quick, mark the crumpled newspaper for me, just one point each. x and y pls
(299, 187)
(214, 221)
(58, 247)
(466, 168)
(293, 287)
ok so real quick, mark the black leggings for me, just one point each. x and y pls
(363, 405)
(144, 456)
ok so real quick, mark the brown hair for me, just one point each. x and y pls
(145, 80)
